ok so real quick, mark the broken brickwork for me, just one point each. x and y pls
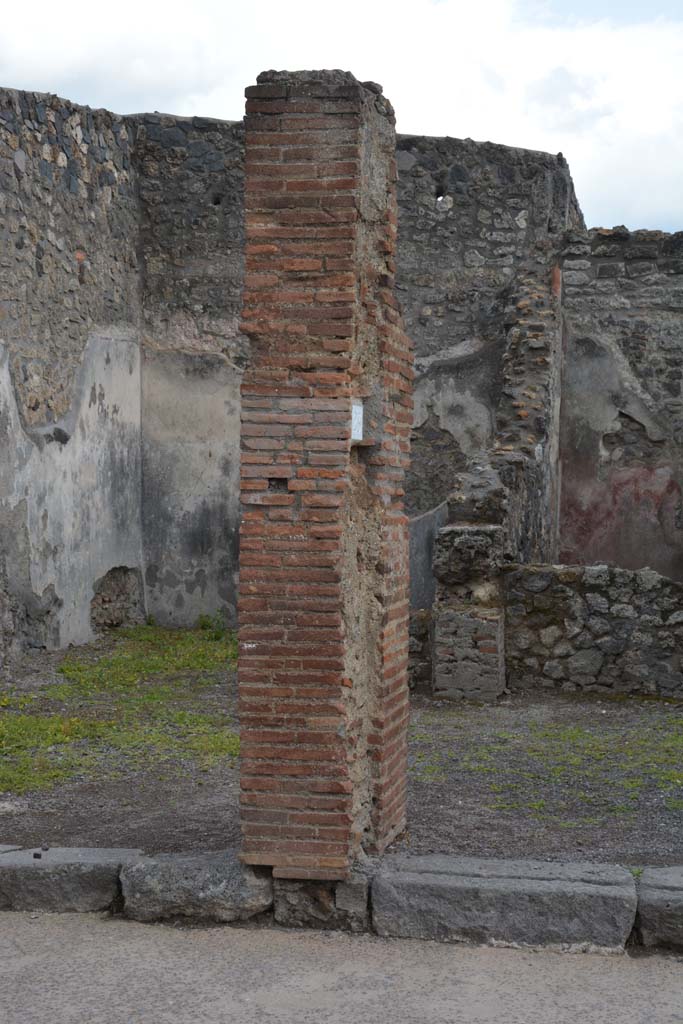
(323, 605)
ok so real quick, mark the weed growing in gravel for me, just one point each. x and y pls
(553, 771)
(143, 705)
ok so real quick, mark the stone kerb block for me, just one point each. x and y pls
(212, 886)
(61, 879)
(504, 902)
(660, 907)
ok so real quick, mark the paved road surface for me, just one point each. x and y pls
(83, 969)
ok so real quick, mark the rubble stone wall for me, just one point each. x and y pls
(68, 234)
(118, 599)
(128, 231)
(480, 226)
(593, 629)
(190, 185)
(118, 232)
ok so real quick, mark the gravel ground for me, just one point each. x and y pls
(545, 775)
(548, 776)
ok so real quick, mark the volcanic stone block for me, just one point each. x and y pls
(209, 886)
(62, 879)
(533, 903)
(327, 905)
(463, 554)
(660, 907)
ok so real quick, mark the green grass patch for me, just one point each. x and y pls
(557, 771)
(152, 702)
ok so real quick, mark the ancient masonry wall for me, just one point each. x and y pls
(503, 499)
(622, 410)
(614, 306)
(190, 185)
(480, 227)
(323, 606)
(120, 361)
(594, 629)
(121, 243)
(69, 362)
(68, 233)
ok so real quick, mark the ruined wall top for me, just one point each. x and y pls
(68, 229)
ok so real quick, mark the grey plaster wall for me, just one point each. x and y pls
(622, 411)
(70, 481)
(70, 494)
(190, 492)
(423, 532)
(191, 244)
(117, 234)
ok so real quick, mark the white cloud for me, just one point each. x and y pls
(609, 96)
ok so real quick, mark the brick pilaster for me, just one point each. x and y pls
(323, 605)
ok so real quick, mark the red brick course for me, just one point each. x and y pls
(323, 627)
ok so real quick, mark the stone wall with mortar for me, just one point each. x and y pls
(135, 224)
(190, 185)
(481, 232)
(128, 230)
(68, 234)
(480, 227)
(118, 599)
(595, 629)
(622, 409)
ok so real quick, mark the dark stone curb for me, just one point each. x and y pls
(573, 906)
(209, 886)
(510, 902)
(61, 879)
(660, 908)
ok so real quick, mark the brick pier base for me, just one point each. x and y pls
(323, 606)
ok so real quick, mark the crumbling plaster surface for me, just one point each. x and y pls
(113, 227)
(622, 410)
(190, 183)
(70, 493)
(190, 483)
(472, 217)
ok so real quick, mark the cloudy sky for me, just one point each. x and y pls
(600, 80)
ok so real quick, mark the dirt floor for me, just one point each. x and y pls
(549, 776)
(134, 742)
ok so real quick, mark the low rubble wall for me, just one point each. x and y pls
(593, 629)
